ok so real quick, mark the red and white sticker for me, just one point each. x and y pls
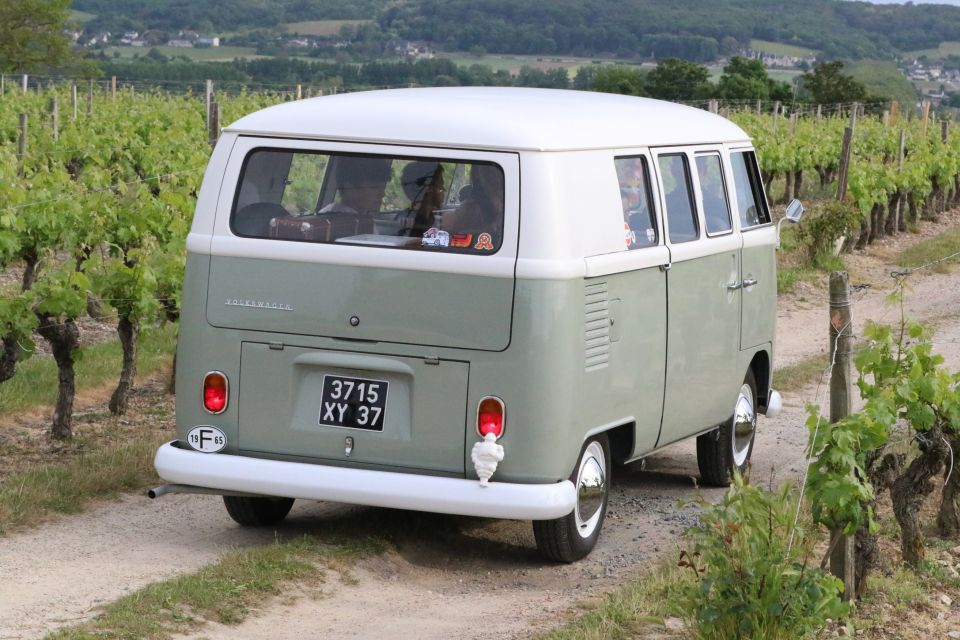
(484, 242)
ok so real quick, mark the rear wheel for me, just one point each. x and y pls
(257, 512)
(573, 536)
(722, 452)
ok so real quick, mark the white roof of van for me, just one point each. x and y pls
(492, 118)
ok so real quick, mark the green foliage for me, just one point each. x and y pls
(900, 379)
(750, 582)
(821, 232)
(675, 79)
(826, 84)
(32, 34)
(627, 81)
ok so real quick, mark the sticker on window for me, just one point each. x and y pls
(434, 237)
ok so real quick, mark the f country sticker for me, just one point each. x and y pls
(207, 439)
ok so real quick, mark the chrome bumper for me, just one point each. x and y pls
(256, 476)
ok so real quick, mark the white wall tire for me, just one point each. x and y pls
(573, 536)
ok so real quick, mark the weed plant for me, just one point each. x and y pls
(750, 582)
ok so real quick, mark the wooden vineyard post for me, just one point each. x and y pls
(89, 97)
(894, 112)
(759, 106)
(3, 84)
(842, 558)
(299, 92)
(214, 132)
(844, 168)
(25, 83)
(73, 99)
(925, 114)
(55, 118)
(113, 87)
(209, 100)
(22, 140)
(819, 112)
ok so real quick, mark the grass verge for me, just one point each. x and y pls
(67, 487)
(223, 592)
(35, 382)
(640, 609)
(796, 376)
(930, 250)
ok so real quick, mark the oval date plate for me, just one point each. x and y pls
(207, 439)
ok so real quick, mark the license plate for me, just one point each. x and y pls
(355, 403)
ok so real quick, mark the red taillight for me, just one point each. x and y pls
(215, 392)
(491, 417)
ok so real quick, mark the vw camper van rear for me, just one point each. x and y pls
(470, 301)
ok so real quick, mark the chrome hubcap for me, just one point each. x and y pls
(744, 425)
(591, 489)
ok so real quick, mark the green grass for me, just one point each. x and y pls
(321, 27)
(637, 610)
(945, 49)
(196, 54)
(35, 383)
(781, 49)
(933, 249)
(796, 376)
(68, 487)
(81, 17)
(882, 78)
(223, 592)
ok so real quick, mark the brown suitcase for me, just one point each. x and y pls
(326, 227)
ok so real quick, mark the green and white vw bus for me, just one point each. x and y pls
(471, 301)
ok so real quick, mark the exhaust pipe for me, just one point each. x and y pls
(162, 490)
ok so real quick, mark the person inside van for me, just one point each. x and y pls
(422, 183)
(482, 210)
(361, 183)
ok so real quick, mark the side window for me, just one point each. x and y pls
(681, 217)
(713, 194)
(750, 199)
(639, 220)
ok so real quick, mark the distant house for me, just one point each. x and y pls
(179, 43)
(209, 42)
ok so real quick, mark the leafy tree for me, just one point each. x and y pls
(744, 78)
(675, 79)
(622, 80)
(31, 34)
(827, 85)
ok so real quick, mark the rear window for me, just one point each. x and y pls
(427, 204)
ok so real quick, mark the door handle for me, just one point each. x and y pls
(733, 286)
(749, 282)
(666, 266)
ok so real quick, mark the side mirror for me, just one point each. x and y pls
(794, 211)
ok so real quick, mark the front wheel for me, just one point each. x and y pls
(257, 512)
(573, 536)
(726, 450)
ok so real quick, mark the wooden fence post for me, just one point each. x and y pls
(89, 97)
(113, 87)
(925, 114)
(73, 99)
(25, 83)
(3, 84)
(55, 118)
(894, 112)
(209, 100)
(844, 169)
(842, 559)
(22, 141)
(214, 132)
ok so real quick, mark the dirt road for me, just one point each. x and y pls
(449, 576)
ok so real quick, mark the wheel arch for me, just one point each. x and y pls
(760, 365)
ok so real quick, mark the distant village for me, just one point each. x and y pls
(947, 76)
